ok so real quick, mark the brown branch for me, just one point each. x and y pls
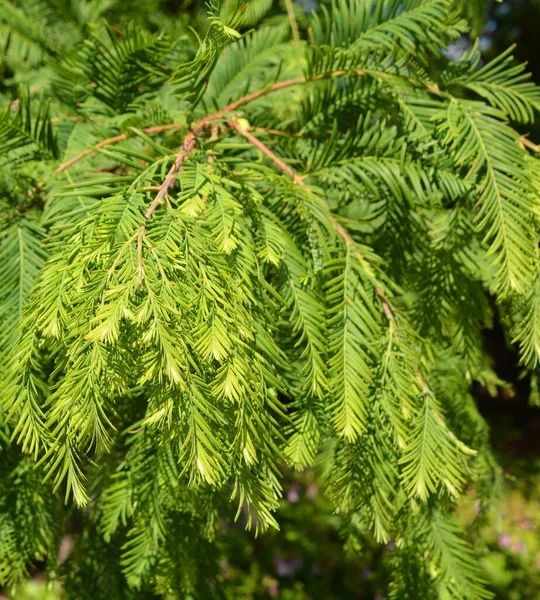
(189, 143)
(281, 85)
(265, 150)
(286, 169)
(386, 305)
(163, 190)
(292, 20)
(203, 122)
(107, 142)
(75, 119)
(527, 142)
(331, 219)
(185, 149)
(227, 109)
(433, 89)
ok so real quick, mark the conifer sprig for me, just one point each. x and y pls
(222, 258)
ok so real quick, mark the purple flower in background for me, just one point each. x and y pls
(273, 589)
(526, 524)
(225, 568)
(505, 540)
(311, 492)
(287, 567)
(389, 547)
(293, 495)
(379, 596)
(365, 573)
(519, 547)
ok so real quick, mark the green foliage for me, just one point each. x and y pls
(26, 135)
(220, 258)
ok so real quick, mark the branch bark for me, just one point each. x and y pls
(292, 20)
(107, 142)
(527, 142)
(340, 230)
(163, 190)
(224, 111)
(265, 150)
(185, 149)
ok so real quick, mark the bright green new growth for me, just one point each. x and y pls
(221, 259)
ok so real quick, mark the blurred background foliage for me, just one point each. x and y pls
(306, 559)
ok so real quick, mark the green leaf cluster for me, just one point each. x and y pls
(227, 255)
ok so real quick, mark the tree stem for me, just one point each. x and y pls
(292, 20)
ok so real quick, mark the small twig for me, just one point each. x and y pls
(386, 305)
(299, 181)
(281, 85)
(112, 140)
(72, 161)
(185, 149)
(285, 168)
(59, 119)
(527, 142)
(299, 81)
(118, 31)
(292, 20)
(265, 150)
(140, 264)
(163, 190)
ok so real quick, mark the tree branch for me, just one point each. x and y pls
(185, 149)
(292, 20)
(340, 230)
(200, 124)
(107, 142)
(163, 190)
(224, 111)
(281, 85)
(527, 142)
(265, 150)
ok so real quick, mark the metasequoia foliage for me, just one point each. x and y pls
(225, 256)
